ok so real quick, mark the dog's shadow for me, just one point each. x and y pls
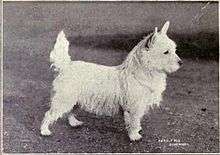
(101, 124)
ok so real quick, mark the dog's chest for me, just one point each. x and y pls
(153, 84)
(157, 85)
(149, 91)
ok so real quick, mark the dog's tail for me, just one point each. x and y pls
(59, 56)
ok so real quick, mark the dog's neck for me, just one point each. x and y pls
(146, 77)
(151, 79)
(132, 61)
(143, 73)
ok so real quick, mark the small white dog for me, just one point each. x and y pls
(134, 85)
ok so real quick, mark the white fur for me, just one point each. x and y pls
(134, 85)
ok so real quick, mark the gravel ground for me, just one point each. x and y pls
(186, 121)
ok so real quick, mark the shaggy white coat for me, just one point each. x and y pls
(134, 85)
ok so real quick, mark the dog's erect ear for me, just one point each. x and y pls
(155, 30)
(165, 27)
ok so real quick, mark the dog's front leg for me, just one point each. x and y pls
(157, 98)
(133, 124)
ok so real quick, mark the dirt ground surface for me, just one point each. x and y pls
(186, 121)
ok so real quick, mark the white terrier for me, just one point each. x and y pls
(134, 85)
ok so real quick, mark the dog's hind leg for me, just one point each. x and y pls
(73, 121)
(56, 111)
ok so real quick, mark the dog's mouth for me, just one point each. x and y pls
(170, 70)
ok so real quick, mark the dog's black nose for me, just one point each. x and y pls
(180, 62)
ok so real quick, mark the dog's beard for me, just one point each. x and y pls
(171, 69)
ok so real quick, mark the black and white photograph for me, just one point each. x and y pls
(110, 77)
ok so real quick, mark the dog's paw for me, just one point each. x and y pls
(45, 132)
(75, 123)
(135, 136)
(140, 129)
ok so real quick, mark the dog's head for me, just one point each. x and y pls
(159, 52)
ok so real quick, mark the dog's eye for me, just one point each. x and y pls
(166, 52)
